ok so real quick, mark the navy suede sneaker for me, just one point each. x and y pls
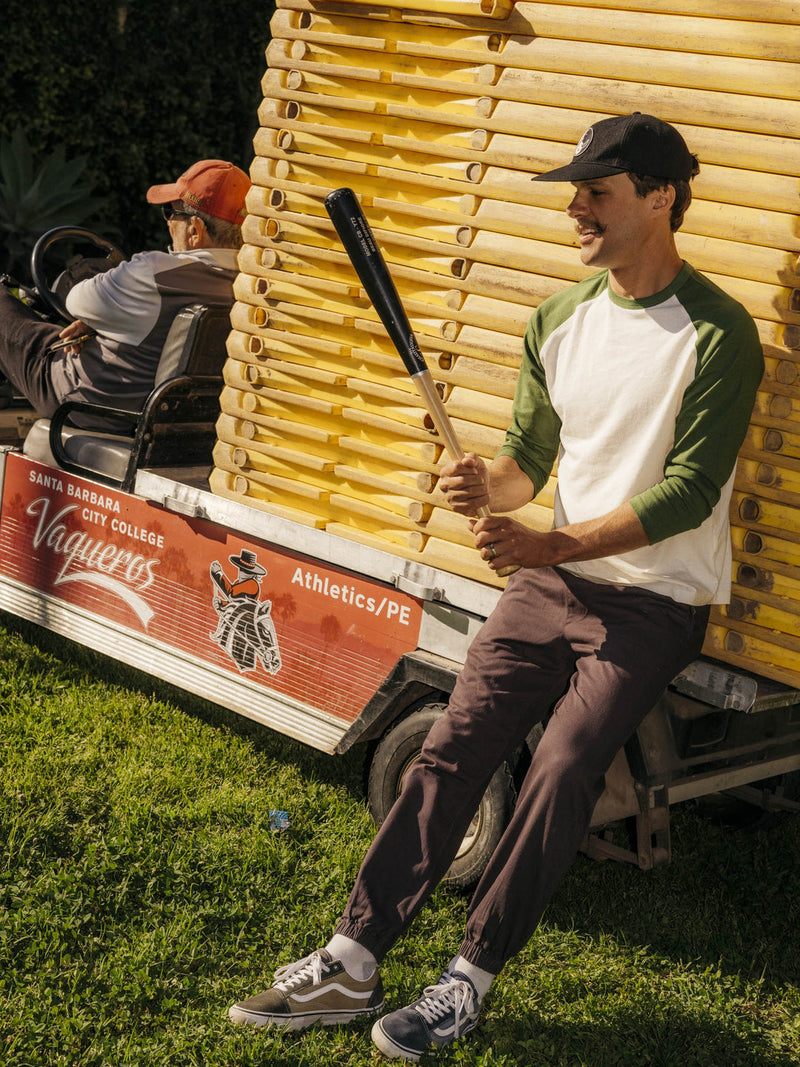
(445, 1012)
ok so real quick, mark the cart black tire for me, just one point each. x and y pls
(398, 749)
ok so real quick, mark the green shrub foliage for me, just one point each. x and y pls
(36, 195)
(142, 89)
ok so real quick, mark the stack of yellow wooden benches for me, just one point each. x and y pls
(437, 113)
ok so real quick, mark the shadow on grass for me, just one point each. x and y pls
(653, 1035)
(728, 900)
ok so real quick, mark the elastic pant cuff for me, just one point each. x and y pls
(364, 936)
(480, 956)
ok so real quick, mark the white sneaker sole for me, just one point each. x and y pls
(392, 1050)
(384, 1044)
(299, 1021)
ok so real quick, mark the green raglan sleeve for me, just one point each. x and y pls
(710, 426)
(532, 439)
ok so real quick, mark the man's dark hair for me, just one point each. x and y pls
(645, 184)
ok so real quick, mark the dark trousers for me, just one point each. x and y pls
(599, 656)
(25, 356)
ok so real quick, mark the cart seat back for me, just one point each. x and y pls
(176, 427)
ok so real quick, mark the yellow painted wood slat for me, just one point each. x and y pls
(407, 543)
(780, 479)
(785, 12)
(720, 109)
(391, 447)
(276, 425)
(762, 513)
(757, 607)
(514, 113)
(767, 577)
(393, 218)
(235, 426)
(236, 487)
(753, 651)
(312, 126)
(466, 561)
(774, 411)
(385, 477)
(294, 87)
(300, 324)
(777, 446)
(488, 378)
(256, 465)
(683, 33)
(347, 59)
(329, 146)
(471, 43)
(781, 11)
(650, 63)
(479, 408)
(261, 420)
(749, 546)
(490, 9)
(430, 203)
(282, 481)
(345, 365)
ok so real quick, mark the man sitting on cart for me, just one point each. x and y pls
(109, 354)
(641, 380)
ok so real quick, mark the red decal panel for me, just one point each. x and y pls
(305, 629)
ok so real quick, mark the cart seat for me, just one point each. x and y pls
(177, 424)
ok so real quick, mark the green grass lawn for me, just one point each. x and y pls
(142, 892)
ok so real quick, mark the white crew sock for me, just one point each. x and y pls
(480, 979)
(358, 961)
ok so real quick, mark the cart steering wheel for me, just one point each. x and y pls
(50, 294)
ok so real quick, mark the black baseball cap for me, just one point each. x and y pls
(635, 144)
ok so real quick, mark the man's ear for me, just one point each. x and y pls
(197, 234)
(664, 198)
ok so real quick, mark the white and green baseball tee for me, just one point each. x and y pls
(646, 401)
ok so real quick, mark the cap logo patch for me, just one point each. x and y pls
(584, 142)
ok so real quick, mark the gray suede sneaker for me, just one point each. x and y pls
(316, 989)
(445, 1012)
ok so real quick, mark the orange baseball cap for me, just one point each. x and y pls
(212, 186)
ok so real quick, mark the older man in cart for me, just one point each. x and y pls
(109, 353)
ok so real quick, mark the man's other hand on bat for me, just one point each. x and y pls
(469, 485)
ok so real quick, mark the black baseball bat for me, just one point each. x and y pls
(370, 266)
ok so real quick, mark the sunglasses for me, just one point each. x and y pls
(169, 211)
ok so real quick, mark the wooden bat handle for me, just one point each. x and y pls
(441, 420)
(359, 242)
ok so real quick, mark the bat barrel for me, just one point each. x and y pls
(356, 236)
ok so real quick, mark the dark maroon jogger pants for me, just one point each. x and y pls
(599, 656)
